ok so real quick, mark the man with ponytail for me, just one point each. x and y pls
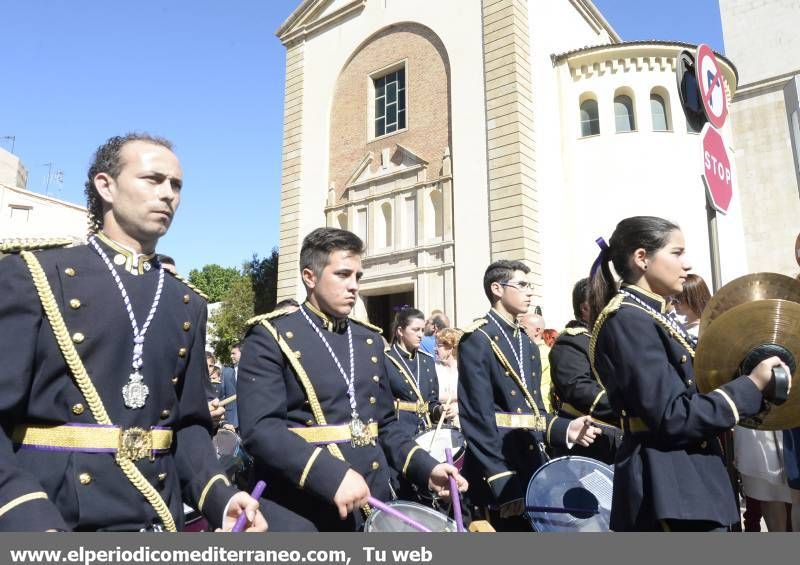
(501, 410)
(669, 470)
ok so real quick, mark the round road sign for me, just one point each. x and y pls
(712, 86)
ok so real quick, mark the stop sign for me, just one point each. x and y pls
(716, 170)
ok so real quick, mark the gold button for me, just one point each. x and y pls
(74, 303)
(375, 465)
(77, 409)
(162, 477)
(174, 380)
(289, 335)
(297, 354)
(119, 259)
(623, 413)
(309, 422)
(530, 447)
(535, 392)
(689, 382)
(513, 393)
(374, 359)
(497, 338)
(372, 400)
(186, 299)
(85, 478)
(703, 445)
(70, 272)
(507, 373)
(683, 359)
(164, 414)
(376, 378)
(519, 410)
(187, 326)
(78, 337)
(369, 341)
(182, 352)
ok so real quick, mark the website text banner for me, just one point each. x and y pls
(392, 549)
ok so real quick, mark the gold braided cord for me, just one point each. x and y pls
(16, 245)
(190, 285)
(612, 306)
(517, 379)
(678, 337)
(311, 394)
(413, 385)
(84, 383)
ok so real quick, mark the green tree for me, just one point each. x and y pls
(230, 319)
(263, 274)
(214, 280)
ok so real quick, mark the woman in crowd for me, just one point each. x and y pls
(690, 303)
(447, 372)
(669, 469)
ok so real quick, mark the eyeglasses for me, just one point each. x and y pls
(519, 285)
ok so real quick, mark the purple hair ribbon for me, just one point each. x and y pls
(601, 243)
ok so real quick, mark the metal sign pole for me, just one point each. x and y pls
(713, 246)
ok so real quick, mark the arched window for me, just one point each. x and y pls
(623, 114)
(590, 120)
(658, 112)
(386, 208)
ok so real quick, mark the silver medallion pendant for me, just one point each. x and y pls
(359, 433)
(135, 392)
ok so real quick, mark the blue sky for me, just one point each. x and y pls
(209, 76)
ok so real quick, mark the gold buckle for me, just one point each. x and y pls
(135, 444)
(422, 409)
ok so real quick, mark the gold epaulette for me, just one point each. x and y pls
(197, 291)
(475, 325)
(576, 331)
(368, 325)
(268, 316)
(15, 245)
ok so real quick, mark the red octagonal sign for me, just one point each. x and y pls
(716, 170)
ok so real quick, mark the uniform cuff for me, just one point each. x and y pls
(419, 466)
(557, 429)
(742, 396)
(505, 487)
(30, 513)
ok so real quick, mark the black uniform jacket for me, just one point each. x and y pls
(579, 392)
(45, 488)
(502, 433)
(302, 475)
(670, 464)
(412, 378)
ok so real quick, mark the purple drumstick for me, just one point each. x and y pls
(454, 496)
(397, 514)
(241, 521)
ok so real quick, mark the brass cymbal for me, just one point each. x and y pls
(756, 286)
(725, 344)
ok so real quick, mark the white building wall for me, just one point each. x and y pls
(25, 214)
(558, 29)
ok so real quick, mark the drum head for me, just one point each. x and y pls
(570, 494)
(446, 437)
(380, 521)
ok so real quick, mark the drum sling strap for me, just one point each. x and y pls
(87, 388)
(414, 387)
(311, 394)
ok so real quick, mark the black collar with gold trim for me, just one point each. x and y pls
(336, 325)
(659, 303)
(510, 328)
(127, 259)
(403, 351)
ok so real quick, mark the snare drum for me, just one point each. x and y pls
(570, 494)
(380, 522)
(447, 436)
(193, 521)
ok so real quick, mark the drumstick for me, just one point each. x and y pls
(242, 519)
(227, 400)
(454, 496)
(397, 514)
(439, 425)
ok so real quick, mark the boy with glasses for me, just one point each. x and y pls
(500, 406)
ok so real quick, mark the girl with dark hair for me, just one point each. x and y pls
(412, 377)
(669, 469)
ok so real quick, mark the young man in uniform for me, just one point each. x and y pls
(315, 408)
(104, 419)
(502, 414)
